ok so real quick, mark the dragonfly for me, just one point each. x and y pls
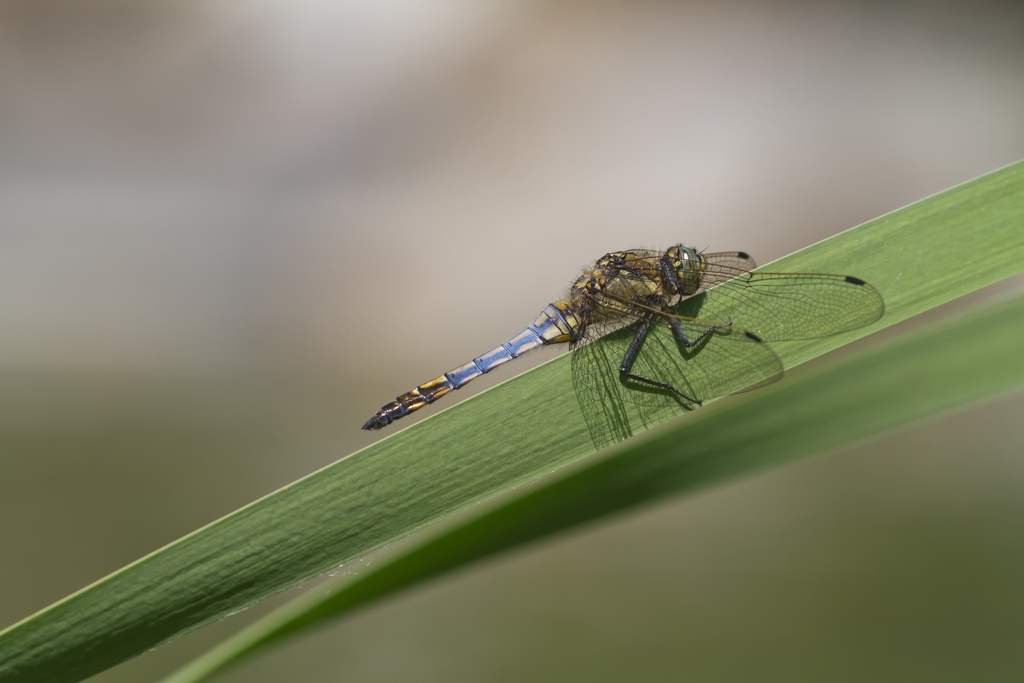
(713, 308)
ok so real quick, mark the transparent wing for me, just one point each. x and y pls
(613, 406)
(727, 264)
(726, 361)
(787, 306)
(774, 306)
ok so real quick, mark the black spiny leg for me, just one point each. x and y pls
(680, 335)
(634, 347)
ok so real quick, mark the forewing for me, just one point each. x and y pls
(788, 306)
(774, 306)
(728, 263)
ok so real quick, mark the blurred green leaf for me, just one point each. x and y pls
(918, 257)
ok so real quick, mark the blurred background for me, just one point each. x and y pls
(230, 231)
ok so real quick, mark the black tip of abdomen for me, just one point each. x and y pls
(381, 419)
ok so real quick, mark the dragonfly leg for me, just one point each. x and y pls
(634, 348)
(680, 335)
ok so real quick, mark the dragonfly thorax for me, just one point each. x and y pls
(603, 292)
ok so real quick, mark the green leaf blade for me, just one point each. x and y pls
(915, 377)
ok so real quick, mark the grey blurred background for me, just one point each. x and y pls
(230, 231)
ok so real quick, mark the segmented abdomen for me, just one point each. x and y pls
(556, 324)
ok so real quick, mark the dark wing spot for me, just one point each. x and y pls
(855, 280)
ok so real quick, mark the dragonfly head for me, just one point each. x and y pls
(688, 267)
